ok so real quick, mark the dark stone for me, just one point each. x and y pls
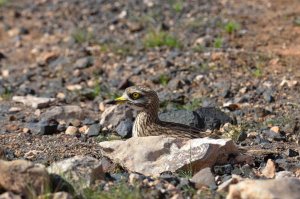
(242, 136)
(292, 153)
(223, 169)
(58, 184)
(213, 118)
(124, 128)
(186, 117)
(44, 127)
(2, 56)
(169, 178)
(94, 130)
(124, 84)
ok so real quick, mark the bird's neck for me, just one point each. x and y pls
(148, 116)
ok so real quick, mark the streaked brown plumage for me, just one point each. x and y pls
(147, 123)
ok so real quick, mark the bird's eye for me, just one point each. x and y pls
(135, 96)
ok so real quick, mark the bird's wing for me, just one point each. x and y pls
(182, 129)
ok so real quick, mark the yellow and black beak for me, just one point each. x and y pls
(121, 100)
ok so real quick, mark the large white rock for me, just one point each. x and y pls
(288, 188)
(155, 154)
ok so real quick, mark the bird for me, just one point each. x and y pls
(147, 123)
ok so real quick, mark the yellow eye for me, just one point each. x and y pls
(135, 96)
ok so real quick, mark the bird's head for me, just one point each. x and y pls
(142, 98)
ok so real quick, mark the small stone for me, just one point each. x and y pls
(93, 130)
(74, 87)
(204, 177)
(275, 129)
(292, 153)
(14, 109)
(34, 102)
(71, 130)
(84, 62)
(270, 169)
(83, 129)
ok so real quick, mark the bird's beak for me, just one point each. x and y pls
(121, 100)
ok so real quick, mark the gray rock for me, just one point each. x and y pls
(204, 177)
(34, 102)
(153, 155)
(183, 117)
(84, 62)
(213, 118)
(63, 112)
(23, 177)
(43, 127)
(93, 130)
(124, 129)
(114, 115)
(83, 169)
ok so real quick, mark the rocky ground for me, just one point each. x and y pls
(62, 62)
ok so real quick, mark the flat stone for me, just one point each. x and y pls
(186, 117)
(23, 177)
(93, 130)
(155, 154)
(204, 177)
(34, 102)
(84, 62)
(83, 169)
(267, 189)
(292, 153)
(63, 112)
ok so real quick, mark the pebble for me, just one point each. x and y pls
(84, 62)
(71, 130)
